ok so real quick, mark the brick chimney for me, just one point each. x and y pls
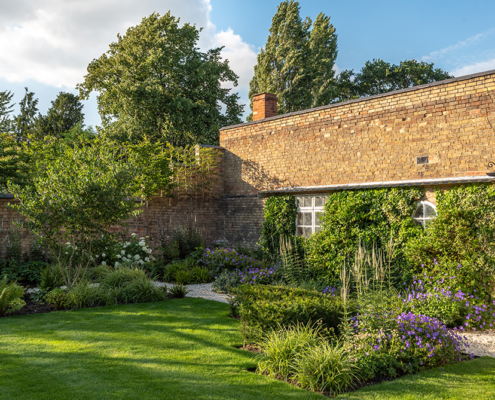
(264, 106)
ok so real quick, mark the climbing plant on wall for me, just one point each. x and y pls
(279, 221)
(366, 216)
(462, 234)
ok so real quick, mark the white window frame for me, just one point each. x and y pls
(313, 209)
(423, 219)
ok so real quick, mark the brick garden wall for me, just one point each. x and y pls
(367, 140)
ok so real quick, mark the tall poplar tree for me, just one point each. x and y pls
(25, 122)
(297, 61)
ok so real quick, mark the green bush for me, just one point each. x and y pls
(462, 234)
(85, 295)
(121, 276)
(59, 298)
(98, 273)
(325, 368)
(51, 277)
(10, 296)
(363, 216)
(28, 271)
(200, 275)
(142, 290)
(281, 347)
(264, 308)
(226, 281)
(179, 291)
(183, 277)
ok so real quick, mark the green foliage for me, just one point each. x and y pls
(179, 291)
(282, 346)
(226, 282)
(138, 99)
(325, 368)
(10, 296)
(59, 298)
(98, 273)
(187, 241)
(24, 124)
(279, 221)
(294, 266)
(187, 271)
(264, 308)
(378, 77)
(363, 216)
(462, 234)
(5, 110)
(51, 277)
(141, 289)
(64, 114)
(13, 162)
(29, 271)
(200, 275)
(76, 193)
(297, 62)
(85, 295)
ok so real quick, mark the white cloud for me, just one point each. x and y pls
(53, 41)
(474, 68)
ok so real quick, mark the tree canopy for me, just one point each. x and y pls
(153, 82)
(64, 114)
(297, 62)
(379, 76)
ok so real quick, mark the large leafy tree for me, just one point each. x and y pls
(25, 122)
(297, 61)
(5, 110)
(64, 114)
(379, 76)
(154, 82)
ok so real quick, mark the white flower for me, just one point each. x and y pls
(133, 234)
(117, 264)
(122, 252)
(103, 263)
(152, 258)
(103, 255)
(142, 238)
(97, 255)
(147, 237)
(142, 243)
(140, 262)
(146, 259)
(68, 244)
(66, 253)
(119, 256)
(137, 257)
(125, 259)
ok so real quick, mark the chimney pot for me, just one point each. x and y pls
(264, 106)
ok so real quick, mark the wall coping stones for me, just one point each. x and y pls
(370, 185)
(345, 103)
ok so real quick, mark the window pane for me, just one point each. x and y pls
(307, 219)
(299, 201)
(430, 211)
(319, 216)
(308, 202)
(299, 219)
(419, 212)
(320, 201)
(307, 232)
(299, 232)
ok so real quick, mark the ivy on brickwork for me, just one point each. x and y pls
(279, 221)
(461, 239)
(369, 217)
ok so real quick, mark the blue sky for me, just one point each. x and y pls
(47, 44)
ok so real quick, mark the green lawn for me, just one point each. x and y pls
(178, 349)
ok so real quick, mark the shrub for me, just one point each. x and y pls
(264, 308)
(51, 277)
(121, 276)
(463, 233)
(183, 277)
(155, 269)
(281, 348)
(99, 273)
(182, 268)
(179, 291)
(85, 295)
(10, 296)
(325, 368)
(59, 298)
(29, 271)
(389, 344)
(142, 290)
(200, 275)
(226, 281)
(218, 260)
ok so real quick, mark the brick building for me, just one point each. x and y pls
(437, 134)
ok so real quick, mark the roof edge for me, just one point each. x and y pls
(382, 184)
(376, 96)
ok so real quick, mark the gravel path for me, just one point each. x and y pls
(203, 291)
(481, 343)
